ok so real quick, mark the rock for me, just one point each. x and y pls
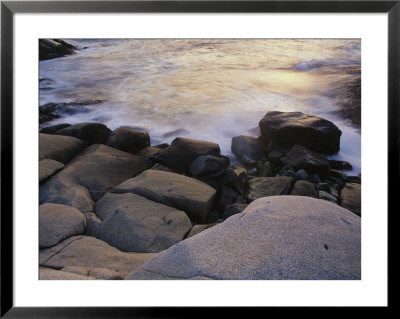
(90, 175)
(275, 156)
(334, 192)
(128, 140)
(275, 238)
(89, 132)
(182, 151)
(54, 128)
(58, 222)
(48, 167)
(198, 229)
(59, 148)
(233, 209)
(315, 178)
(353, 179)
(225, 197)
(212, 217)
(229, 177)
(289, 128)
(326, 196)
(302, 158)
(302, 174)
(207, 164)
(184, 193)
(290, 174)
(343, 165)
(133, 223)
(54, 48)
(249, 150)
(265, 170)
(304, 188)
(350, 197)
(159, 167)
(268, 186)
(98, 273)
(337, 174)
(323, 187)
(51, 274)
(287, 168)
(148, 151)
(90, 252)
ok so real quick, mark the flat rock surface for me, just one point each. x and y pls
(350, 197)
(58, 222)
(48, 167)
(193, 197)
(90, 175)
(51, 274)
(268, 186)
(90, 252)
(275, 238)
(133, 223)
(59, 148)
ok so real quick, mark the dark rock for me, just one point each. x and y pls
(287, 168)
(353, 179)
(47, 168)
(229, 177)
(159, 167)
(290, 174)
(315, 178)
(54, 48)
(89, 132)
(350, 197)
(148, 152)
(54, 128)
(249, 150)
(323, 187)
(59, 148)
(128, 140)
(207, 164)
(337, 174)
(343, 165)
(326, 196)
(182, 151)
(302, 158)
(275, 157)
(225, 197)
(233, 209)
(304, 188)
(302, 174)
(289, 128)
(268, 186)
(265, 170)
(198, 229)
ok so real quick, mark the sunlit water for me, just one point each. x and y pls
(208, 89)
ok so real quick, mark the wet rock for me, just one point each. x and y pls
(268, 186)
(275, 157)
(133, 223)
(233, 209)
(249, 150)
(206, 165)
(182, 151)
(290, 174)
(304, 188)
(341, 165)
(350, 197)
(54, 128)
(301, 174)
(48, 167)
(58, 222)
(128, 140)
(290, 128)
(337, 174)
(266, 170)
(275, 238)
(59, 148)
(54, 48)
(323, 187)
(302, 158)
(192, 196)
(198, 229)
(225, 197)
(326, 196)
(89, 132)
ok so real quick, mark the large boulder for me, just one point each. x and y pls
(275, 238)
(300, 157)
(54, 48)
(89, 132)
(289, 128)
(182, 151)
(90, 175)
(58, 222)
(133, 223)
(350, 197)
(268, 186)
(128, 140)
(59, 148)
(249, 150)
(304, 188)
(208, 165)
(48, 167)
(90, 252)
(193, 197)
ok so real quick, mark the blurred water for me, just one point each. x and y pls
(209, 89)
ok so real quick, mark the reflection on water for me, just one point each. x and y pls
(209, 89)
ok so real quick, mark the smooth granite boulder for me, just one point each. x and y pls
(182, 151)
(300, 157)
(274, 238)
(304, 188)
(59, 148)
(268, 186)
(89, 132)
(193, 197)
(52, 274)
(350, 197)
(133, 223)
(128, 140)
(90, 252)
(58, 222)
(90, 175)
(48, 167)
(288, 128)
(249, 150)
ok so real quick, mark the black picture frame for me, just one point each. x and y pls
(9, 8)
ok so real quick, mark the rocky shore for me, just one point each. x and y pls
(113, 206)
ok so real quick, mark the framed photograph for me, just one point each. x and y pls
(164, 155)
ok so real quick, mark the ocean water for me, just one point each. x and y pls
(208, 89)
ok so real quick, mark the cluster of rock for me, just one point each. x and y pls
(54, 48)
(113, 206)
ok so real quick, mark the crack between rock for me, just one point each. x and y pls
(58, 252)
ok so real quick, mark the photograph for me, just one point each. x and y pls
(199, 158)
